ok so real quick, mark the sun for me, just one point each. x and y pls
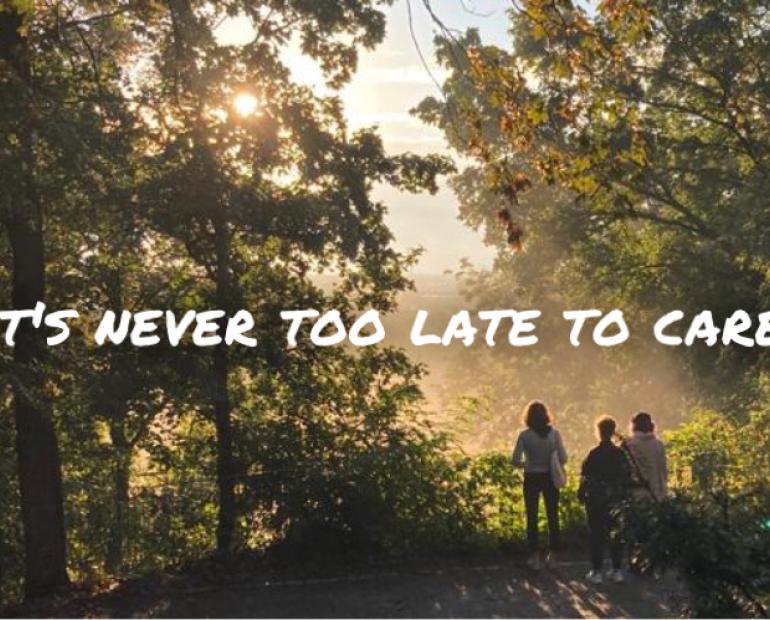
(245, 104)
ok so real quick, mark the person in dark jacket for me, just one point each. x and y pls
(604, 481)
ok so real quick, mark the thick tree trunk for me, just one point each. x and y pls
(37, 449)
(38, 454)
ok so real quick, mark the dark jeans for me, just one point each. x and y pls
(603, 528)
(534, 486)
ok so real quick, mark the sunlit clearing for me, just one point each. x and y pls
(245, 104)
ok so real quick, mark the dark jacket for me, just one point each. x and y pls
(605, 475)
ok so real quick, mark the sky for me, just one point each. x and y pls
(391, 80)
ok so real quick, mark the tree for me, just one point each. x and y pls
(654, 117)
(234, 189)
(126, 388)
(136, 151)
(38, 457)
(545, 260)
(59, 105)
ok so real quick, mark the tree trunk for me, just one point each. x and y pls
(121, 476)
(38, 454)
(37, 450)
(183, 20)
(225, 462)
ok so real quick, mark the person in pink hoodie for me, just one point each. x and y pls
(648, 459)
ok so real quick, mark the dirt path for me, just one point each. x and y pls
(479, 590)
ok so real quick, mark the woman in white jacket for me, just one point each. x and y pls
(534, 447)
(648, 456)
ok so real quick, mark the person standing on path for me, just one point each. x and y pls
(534, 448)
(648, 457)
(604, 482)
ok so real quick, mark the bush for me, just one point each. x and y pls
(715, 529)
(720, 547)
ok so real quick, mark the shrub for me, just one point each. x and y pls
(715, 529)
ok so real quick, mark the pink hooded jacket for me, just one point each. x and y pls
(650, 455)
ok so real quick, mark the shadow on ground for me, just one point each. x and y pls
(480, 590)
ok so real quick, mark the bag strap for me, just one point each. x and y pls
(638, 470)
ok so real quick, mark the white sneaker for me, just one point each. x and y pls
(616, 575)
(594, 577)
